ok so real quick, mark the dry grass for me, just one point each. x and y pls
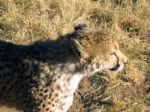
(24, 21)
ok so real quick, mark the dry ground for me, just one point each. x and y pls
(24, 21)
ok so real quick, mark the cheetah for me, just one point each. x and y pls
(43, 76)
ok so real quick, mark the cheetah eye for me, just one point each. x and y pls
(113, 53)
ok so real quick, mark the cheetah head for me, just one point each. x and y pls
(98, 49)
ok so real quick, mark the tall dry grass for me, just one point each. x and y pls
(24, 21)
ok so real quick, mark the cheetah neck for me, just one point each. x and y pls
(84, 69)
(91, 69)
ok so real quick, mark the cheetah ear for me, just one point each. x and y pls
(80, 26)
(79, 50)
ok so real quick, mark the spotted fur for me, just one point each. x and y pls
(43, 76)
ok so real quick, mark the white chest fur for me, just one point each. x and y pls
(71, 87)
(74, 82)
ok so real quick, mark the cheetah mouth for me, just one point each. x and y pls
(115, 68)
